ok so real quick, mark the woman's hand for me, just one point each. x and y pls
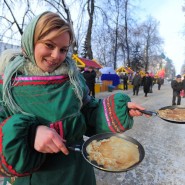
(47, 140)
(134, 109)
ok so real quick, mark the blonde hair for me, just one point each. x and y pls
(49, 22)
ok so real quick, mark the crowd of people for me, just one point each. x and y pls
(138, 81)
(146, 82)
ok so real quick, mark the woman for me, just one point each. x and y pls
(45, 104)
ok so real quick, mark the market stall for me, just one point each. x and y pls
(82, 63)
(109, 78)
(130, 73)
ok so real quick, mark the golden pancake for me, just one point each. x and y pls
(173, 114)
(114, 153)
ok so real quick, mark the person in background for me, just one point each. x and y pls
(183, 85)
(147, 83)
(45, 106)
(90, 77)
(136, 82)
(125, 81)
(98, 76)
(152, 84)
(177, 86)
(159, 82)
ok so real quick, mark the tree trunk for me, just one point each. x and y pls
(116, 45)
(88, 50)
(126, 34)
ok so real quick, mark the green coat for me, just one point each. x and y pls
(50, 100)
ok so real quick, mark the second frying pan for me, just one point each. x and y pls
(156, 113)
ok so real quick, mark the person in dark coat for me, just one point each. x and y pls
(159, 82)
(136, 82)
(90, 77)
(152, 83)
(125, 81)
(177, 87)
(147, 82)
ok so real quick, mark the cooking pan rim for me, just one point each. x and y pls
(171, 107)
(106, 136)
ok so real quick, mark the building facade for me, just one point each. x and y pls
(4, 46)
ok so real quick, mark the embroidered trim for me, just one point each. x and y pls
(111, 118)
(3, 172)
(39, 83)
(113, 121)
(115, 115)
(45, 80)
(58, 126)
(107, 117)
(31, 78)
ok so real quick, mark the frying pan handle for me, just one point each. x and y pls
(151, 113)
(76, 148)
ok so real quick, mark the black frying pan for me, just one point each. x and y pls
(155, 113)
(98, 137)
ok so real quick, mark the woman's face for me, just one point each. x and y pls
(50, 53)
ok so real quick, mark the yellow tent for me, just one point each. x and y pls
(124, 70)
(142, 73)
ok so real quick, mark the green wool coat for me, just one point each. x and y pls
(51, 100)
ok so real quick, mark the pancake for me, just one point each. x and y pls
(173, 114)
(114, 153)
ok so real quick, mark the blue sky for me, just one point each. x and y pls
(172, 20)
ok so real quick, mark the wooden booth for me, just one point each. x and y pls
(130, 73)
(82, 63)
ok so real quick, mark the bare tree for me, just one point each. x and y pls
(150, 39)
(103, 44)
(124, 23)
(183, 68)
(87, 53)
(13, 26)
(109, 35)
(16, 24)
(126, 31)
(170, 68)
(136, 58)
